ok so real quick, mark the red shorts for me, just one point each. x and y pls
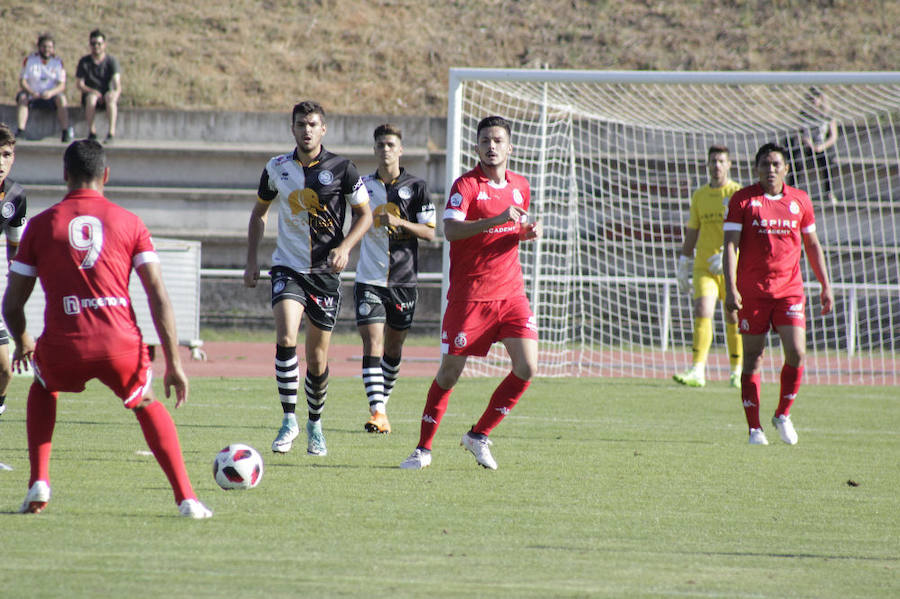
(127, 374)
(469, 328)
(759, 315)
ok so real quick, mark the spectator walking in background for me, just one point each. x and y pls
(315, 193)
(386, 275)
(768, 222)
(704, 231)
(100, 81)
(43, 86)
(484, 220)
(83, 250)
(812, 155)
(12, 222)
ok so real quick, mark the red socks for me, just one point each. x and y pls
(750, 397)
(502, 401)
(790, 386)
(435, 406)
(791, 377)
(40, 420)
(162, 438)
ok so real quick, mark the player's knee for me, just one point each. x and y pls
(525, 370)
(22, 98)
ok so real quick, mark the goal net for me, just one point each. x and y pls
(613, 158)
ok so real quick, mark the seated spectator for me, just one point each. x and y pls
(43, 83)
(99, 79)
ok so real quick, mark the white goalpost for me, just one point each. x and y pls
(613, 157)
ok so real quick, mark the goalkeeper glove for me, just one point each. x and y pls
(715, 263)
(685, 266)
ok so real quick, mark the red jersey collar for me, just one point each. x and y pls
(479, 173)
(84, 194)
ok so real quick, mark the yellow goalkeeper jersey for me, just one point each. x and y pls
(708, 206)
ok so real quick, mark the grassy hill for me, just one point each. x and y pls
(392, 56)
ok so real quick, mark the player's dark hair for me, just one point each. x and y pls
(84, 160)
(387, 129)
(306, 108)
(7, 138)
(45, 37)
(770, 147)
(717, 149)
(493, 121)
(97, 33)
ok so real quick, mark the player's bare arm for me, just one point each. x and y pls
(816, 258)
(339, 257)
(733, 300)
(164, 321)
(420, 230)
(18, 290)
(455, 230)
(255, 231)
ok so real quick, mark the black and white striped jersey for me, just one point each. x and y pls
(389, 257)
(314, 211)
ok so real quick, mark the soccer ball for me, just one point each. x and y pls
(238, 466)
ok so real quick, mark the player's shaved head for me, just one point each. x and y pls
(84, 161)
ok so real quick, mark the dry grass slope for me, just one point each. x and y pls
(392, 56)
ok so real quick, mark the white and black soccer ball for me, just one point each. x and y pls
(238, 466)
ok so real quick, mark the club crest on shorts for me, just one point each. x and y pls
(278, 286)
(364, 309)
(460, 340)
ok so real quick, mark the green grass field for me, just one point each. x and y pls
(606, 488)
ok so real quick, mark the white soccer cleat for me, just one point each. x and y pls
(192, 508)
(420, 458)
(36, 498)
(315, 440)
(758, 437)
(286, 434)
(785, 429)
(2, 408)
(479, 445)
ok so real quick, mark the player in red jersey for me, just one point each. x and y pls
(484, 220)
(83, 250)
(768, 222)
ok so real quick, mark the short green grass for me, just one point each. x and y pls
(606, 488)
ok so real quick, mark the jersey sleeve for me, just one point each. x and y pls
(734, 215)
(808, 220)
(693, 215)
(25, 262)
(424, 209)
(265, 191)
(458, 203)
(81, 69)
(353, 188)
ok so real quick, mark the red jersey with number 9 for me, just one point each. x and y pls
(486, 266)
(83, 249)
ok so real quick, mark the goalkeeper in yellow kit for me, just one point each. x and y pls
(704, 231)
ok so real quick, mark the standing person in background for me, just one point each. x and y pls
(386, 275)
(83, 250)
(815, 141)
(100, 81)
(704, 231)
(768, 222)
(43, 85)
(484, 221)
(12, 222)
(315, 192)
